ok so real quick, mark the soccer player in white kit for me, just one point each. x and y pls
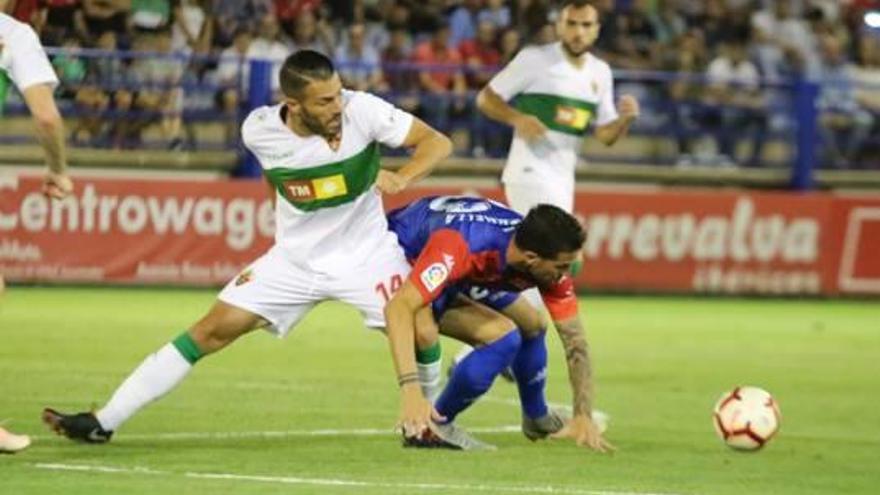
(320, 153)
(24, 62)
(555, 92)
(559, 90)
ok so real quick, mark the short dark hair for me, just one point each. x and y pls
(578, 4)
(548, 230)
(303, 67)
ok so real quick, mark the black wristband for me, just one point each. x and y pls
(407, 378)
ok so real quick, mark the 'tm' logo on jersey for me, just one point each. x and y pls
(576, 118)
(319, 188)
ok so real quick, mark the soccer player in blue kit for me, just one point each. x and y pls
(471, 259)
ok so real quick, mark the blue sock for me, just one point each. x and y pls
(530, 370)
(474, 374)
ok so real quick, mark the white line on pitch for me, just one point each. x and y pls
(352, 483)
(221, 435)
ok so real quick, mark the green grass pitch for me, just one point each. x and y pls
(313, 413)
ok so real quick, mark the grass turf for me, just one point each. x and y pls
(660, 364)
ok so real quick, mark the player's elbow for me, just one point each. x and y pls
(483, 98)
(443, 143)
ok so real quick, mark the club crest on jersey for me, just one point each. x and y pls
(318, 188)
(244, 277)
(434, 276)
(576, 118)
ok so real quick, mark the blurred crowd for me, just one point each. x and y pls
(733, 58)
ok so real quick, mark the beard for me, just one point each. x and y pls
(576, 54)
(314, 124)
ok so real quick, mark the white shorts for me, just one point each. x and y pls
(523, 197)
(283, 292)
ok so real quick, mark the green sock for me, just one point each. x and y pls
(429, 367)
(187, 348)
(429, 355)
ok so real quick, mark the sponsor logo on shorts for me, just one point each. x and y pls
(434, 276)
(244, 277)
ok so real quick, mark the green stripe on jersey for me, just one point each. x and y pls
(559, 113)
(4, 90)
(333, 184)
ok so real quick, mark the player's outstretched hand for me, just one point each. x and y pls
(57, 186)
(416, 413)
(390, 182)
(529, 127)
(628, 107)
(585, 434)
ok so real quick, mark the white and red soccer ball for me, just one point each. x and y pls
(746, 418)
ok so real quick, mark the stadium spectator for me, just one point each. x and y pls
(480, 55)
(636, 44)
(668, 22)
(152, 16)
(233, 16)
(843, 121)
(22, 10)
(232, 76)
(359, 64)
(735, 103)
(400, 80)
(270, 45)
(792, 33)
(193, 27)
(101, 87)
(495, 12)
(441, 79)
(312, 33)
(100, 16)
(156, 97)
(463, 22)
(56, 20)
(287, 11)
(688, 60)
(867, 77)
(508, 45)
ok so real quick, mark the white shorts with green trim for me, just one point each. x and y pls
(282, 292)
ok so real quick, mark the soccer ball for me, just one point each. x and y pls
(746, 418)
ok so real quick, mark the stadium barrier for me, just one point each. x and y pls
(201, 233)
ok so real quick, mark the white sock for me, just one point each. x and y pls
(429, 379)
(462, 353)
(157, 375)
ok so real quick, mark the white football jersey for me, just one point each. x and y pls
(328, 213)
(22, 57)
(567, 99)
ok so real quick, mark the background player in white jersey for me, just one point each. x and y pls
(550, 94)
(556, 90)
(320, 153)
(23, 62)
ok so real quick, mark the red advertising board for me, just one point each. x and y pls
(658, 240)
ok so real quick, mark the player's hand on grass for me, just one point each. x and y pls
(529, 127)
(416, 412)
(628, 107)
(391, 182)
(57, 186)
(585, 434)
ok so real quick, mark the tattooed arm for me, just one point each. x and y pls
(580, 374)
(577, 358)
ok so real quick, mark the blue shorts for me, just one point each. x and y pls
(495, 299)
